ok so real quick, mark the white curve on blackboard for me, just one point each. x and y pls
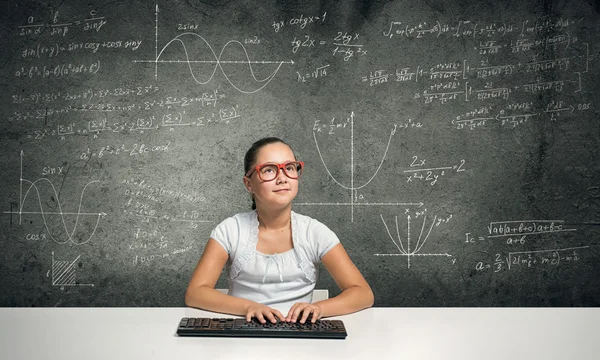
(60, 212)
(428, 233)
(400, 247)
(420, 242)
(217, 60)
(353, 188)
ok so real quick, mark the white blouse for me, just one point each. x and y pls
(276, 280)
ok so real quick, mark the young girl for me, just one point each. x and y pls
(273, 253)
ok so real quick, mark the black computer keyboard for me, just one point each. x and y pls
(324, 329)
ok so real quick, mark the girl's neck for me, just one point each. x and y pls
(275, 219)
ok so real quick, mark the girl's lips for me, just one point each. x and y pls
(281, 190)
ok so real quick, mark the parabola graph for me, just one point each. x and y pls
(187, 39)
(352, 187)
(404, 248)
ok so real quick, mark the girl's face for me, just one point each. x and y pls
(277, 193)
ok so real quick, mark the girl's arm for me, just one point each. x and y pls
(201, 291)
(356, 293)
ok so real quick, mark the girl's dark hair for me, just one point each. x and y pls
(250, 157)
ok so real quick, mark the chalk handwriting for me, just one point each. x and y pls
(319, 72)
(133, 150)
(474, 29)
(343, 44)
(301, 21)
(87, 95)
(52, 50)
(420, 170)
(514, 234)
(58, 71)
(93, 22)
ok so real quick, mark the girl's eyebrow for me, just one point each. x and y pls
(274, 162)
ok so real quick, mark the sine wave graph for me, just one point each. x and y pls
(188, 40)
(404, 248)
(28, 189)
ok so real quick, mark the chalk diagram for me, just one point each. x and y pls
(416, 249)
(33, 186)
(354, 187)
(192, 38)
(64, 274)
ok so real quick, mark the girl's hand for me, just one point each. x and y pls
(306, 309)
(261, 312)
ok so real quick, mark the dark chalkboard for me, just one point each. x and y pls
(452, 145)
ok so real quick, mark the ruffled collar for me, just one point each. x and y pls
(249, 250)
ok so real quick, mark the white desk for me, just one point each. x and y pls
(377, 333)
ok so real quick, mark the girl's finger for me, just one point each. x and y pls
(261, 318)
(297, 312)
(291, 312)
(316, 315)
(270, 316)
(305, 313)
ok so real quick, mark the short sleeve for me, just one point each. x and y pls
(322, 238)
(225, 232)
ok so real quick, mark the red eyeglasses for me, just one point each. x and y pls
(268, 172)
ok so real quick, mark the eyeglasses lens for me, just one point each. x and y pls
(293, 170)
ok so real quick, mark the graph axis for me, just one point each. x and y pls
(407, 251)
(64, 274)
(352, 187)
(217, 62)
(33, 186)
